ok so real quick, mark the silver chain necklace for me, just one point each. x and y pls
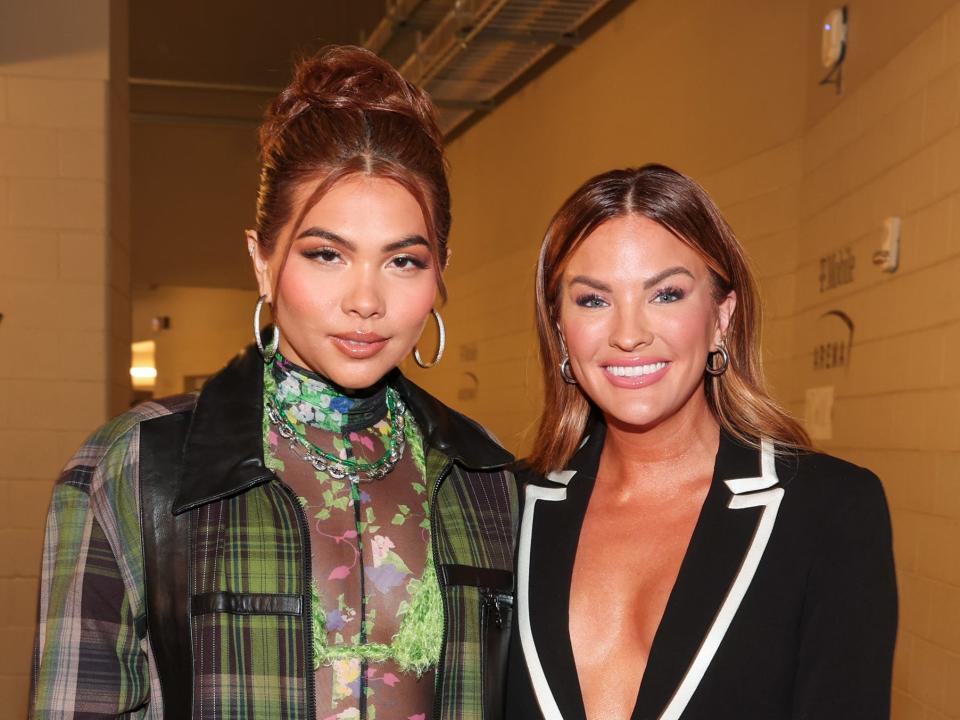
(335, 467)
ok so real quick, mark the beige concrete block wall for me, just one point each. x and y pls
(208, 326)
(681, 94)
(56, 285)
(729, 93)
(890, 148)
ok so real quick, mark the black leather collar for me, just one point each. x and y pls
(223, 453)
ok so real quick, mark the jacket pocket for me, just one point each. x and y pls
(495, 588)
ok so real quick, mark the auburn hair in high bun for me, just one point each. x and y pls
(348, 112)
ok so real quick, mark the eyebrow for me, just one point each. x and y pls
(408, 241)
(327, 235)
(664, 274)
(590, 282)
(647, 284)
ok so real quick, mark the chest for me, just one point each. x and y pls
(628, 557)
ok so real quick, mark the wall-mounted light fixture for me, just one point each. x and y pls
(887, 258)
(143, 367)
(833, 46)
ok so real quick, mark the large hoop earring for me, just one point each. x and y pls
(717, 370)
(566, 372)
(443, 343)
(268, 352)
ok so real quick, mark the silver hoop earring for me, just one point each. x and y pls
(566, 372)
(720, 369)
(441, 345)
(268, 352)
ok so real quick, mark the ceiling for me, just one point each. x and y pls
(202, 74)
(239, 42)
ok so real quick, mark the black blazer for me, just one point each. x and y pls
(785, 605)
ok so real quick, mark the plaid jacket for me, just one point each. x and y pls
(175, 579)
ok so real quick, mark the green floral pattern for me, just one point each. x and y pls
(377, 603)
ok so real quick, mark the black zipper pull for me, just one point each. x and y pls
(492, 599)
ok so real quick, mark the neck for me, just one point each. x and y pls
(295, 362)
(687, 440)
(310, 398)
(284, 364)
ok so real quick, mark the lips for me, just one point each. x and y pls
(636, 373)
(359, 345)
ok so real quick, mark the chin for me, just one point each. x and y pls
(357, 378)
(640, 419)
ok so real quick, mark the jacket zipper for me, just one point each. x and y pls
(492, 602)
(307, 602)
(438, 680)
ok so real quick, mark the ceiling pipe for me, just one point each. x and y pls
(451, 36)
(397, 14)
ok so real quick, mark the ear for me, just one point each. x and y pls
(261, 268)
(724, 316)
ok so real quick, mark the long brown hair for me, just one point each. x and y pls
(738, 398)
(348, 112)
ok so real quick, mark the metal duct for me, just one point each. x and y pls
(472, 54)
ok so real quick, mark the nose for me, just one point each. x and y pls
(630, 330)
(363, 297)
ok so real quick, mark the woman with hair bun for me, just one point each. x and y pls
(683, 552)
(312, 536)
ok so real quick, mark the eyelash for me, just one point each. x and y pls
(674, 292)
(412, 259)
(329, 255)
(663, 295)
(326, 254)
(591, 301)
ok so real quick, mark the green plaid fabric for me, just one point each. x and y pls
(476, 516)
(93, 657)
(249, 666)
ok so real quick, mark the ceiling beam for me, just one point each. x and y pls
(191, 85)
(397, 14)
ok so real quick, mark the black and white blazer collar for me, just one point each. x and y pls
(729, 540)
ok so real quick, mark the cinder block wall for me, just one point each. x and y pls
(197, 343)
(892, 148)
(729, 93)
(63, 332)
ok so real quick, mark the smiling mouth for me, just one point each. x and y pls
(634, 370)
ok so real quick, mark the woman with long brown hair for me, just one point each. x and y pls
(683, 551)
(312, 536)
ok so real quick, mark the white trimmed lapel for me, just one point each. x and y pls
(748, 492)
(553, 512)
(727, 546)
(538, 679)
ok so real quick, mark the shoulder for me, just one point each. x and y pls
(527, 475)
(109, 447)
(840, 493)
(451, 431)
(827, 474)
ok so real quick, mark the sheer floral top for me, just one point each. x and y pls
(377, 617)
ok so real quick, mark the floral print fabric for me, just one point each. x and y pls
(377, 626)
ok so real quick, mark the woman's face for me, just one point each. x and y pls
(352, 295)
(639, 317)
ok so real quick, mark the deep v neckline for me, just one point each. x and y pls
(711, 498)
(713, 575)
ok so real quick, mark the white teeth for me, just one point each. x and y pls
(634, 370)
